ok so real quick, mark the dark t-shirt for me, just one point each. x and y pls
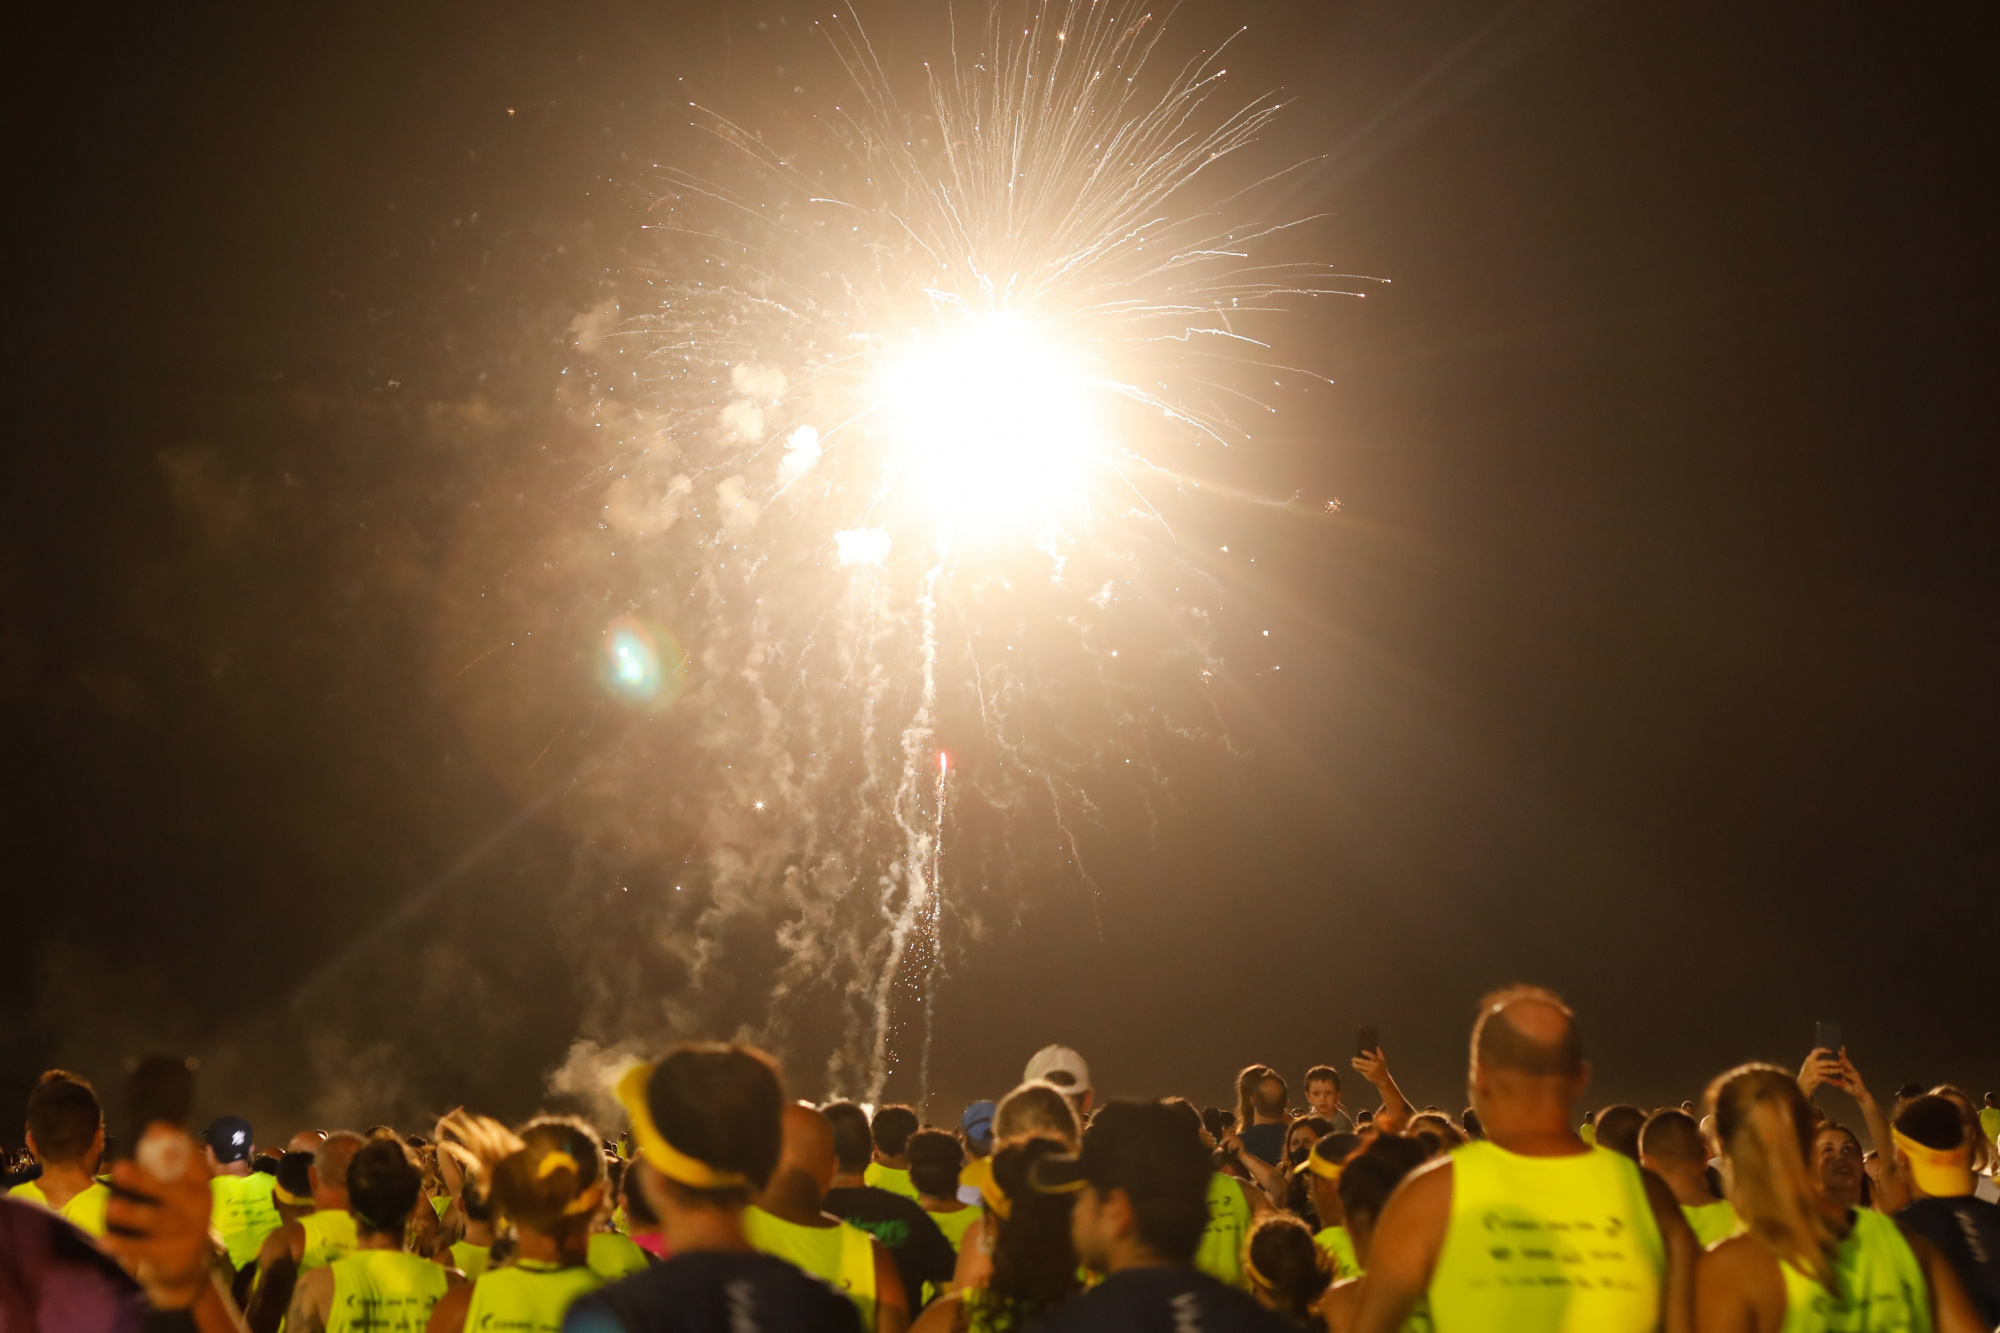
(712, 1292)
(1968, 1231)
(1267, 1141)
(919, 1249)
(1160, 1300)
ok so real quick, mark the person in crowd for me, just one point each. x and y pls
(1370, 1177)
(1288, 1274)
(1833, 1069)
(1323, 1096)
(1803, 1263)
(1300, 1136)
(1064, 1068)
(787, 1220)
(1934, 1154)
(1435, 1131)
(975, 1131)
(1261, 1114)
(1141, 1183)
(1323, 1170)
(473, 1250)
(890, 1169)
(157, 1227)
(1906, 1094)
(1618, 1129)
(1671, 1147)
(1033, 1264)
(311, 1242)
(1837, 1161)
(1983, 1153)
(548, 1183)
(923, 1257)
(708, 1121)
(376, 1285)
(1033, 1110)
(1396, 1109)
(1233, 1208)
(936, 1159)
(1526, 1074)
(245, 1211)
(66, 1135)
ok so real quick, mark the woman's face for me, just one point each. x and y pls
(1301, 1139)
(1837, 1155)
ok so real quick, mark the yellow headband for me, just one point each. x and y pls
(1250, 1270)
(1325, 1170)
(556, 1161)
(978, 1173)
(662, 1156)
(285, 1196)
(1944, 1173)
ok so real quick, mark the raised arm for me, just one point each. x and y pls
(1396, 1109)
(1894, 1191)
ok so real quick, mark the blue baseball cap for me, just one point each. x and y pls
(229, 1137)
(977, 1124)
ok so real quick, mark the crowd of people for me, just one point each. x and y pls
(725, 1206)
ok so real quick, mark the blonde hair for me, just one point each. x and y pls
(549, 1177)
(1766, 1129)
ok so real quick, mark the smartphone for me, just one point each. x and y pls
(1368, 1040)
(161, 1087)
(1826, 1037)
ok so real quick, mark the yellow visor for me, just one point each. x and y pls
(1941, 1173)
(978, 1173)
(662, 1156)
(1324, 1169)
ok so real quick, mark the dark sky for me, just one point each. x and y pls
(1652, 654)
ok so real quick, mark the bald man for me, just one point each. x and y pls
(787, 1221)
(1530, 1230)
(313, 1241)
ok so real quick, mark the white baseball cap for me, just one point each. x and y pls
(1059, 1060)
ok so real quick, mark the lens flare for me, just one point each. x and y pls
(642, 665)
(994, 426)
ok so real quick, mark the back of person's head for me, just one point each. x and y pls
(383, 1132)
(1618, 1129)
(1932, 1135)
(1934, 1122)
(1036, 1108)
(1147, 1151)
(1034, 1257)
(1982, 1147)
(548, 1178)
(1372, 1174)
(1289, 1272)
(708, 1120)
(331, 1160)
(384, 1183)
(1436, 1132)
(294, 1176)
(935, 1159)
(892, 1128)
(1187, 1111)
(1527, 1030)
(1269, 1095)
(64, 1116)
(1673, 1139)
(1766, 1132)
(853, 1141)
(1247, 1080)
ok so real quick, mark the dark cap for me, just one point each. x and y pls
(229, 1137)
(1149, 1150)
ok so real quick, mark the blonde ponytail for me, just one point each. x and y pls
(1765, 1127)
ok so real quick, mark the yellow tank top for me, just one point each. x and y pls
(329, 1236)
(1220, 1254)
(955, 1224)
(1337, 1243)
(244, 1214)
(526, 1297)
(889, 1178)
(84, 1211)
(1712, 1221)
(470, 1259)
(383, 1291)
(613, 1256)
(1880, 1286)
(844, 1255)
(1547, 1245)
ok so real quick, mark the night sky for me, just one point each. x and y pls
(1651, 655)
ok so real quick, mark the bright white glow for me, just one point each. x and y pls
(992, 425)
(861, 546)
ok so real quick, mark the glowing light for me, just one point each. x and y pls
(992, 424)
(861, 546)
(641, 664)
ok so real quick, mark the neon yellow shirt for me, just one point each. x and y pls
(84, 1211)
(527, 1297)
(1880, 1285)
(1989, 1121)
(613, 1256)
(956, 1223)
(470, 1259)
(383, 1291)
(889, 1178)
(844, 1255)
(1220, 1254)
(1337, 1243)
(1547, 1245)
(329, 1236)
(1712, 1221)
(244, 1214)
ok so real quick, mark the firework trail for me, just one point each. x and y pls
(891, 415)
